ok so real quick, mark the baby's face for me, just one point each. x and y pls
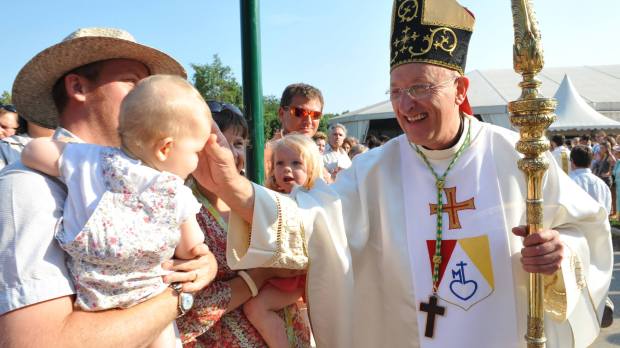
(183, 157)
(289, 169)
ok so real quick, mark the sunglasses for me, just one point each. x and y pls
(217, 107)
(303, 113)
(8, 107)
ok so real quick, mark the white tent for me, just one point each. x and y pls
(574, 114)
(357, 121)
(491, 90)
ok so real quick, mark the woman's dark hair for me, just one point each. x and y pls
(228, 116)
(23, 125)
(372, 141)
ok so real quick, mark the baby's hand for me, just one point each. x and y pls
(195, 274)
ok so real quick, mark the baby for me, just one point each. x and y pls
(127, 210)
(295, 162)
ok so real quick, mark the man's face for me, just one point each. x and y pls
(336, 137)
(103, 97)
(303, 125)
(431, 120)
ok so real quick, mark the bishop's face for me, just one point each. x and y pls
(431, 117)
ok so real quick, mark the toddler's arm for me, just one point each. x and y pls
(191, 237)
(42, 154)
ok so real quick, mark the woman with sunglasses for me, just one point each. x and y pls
(15, 133)
(219, 320)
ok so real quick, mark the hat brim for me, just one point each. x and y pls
(32, 89)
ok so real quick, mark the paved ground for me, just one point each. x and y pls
(610, 337)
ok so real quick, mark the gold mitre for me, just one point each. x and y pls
(430, 31)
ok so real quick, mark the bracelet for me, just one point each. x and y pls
(249, 282)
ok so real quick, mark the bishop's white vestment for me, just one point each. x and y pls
(368, 240)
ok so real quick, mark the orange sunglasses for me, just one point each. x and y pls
(302, 113)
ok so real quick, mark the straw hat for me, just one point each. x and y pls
(32, 89)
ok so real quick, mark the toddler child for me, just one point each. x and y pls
(127, 209)
(295, 163)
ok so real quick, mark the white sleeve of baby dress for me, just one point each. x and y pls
(187, 204)
(80, 170)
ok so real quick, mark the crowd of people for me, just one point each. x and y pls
(595, 155)
(126, 219)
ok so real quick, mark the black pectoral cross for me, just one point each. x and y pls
(431, 308)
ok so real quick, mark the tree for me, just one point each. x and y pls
(324, 124)
(271, 104)
(216, 81)
(5, 98)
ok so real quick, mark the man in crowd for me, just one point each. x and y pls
(421, 243)
(581, 160)
(300, 111)
(301, 108)
(76, 85)
(335, 158)
(560, 153)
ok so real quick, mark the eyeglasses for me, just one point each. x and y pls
(303, 113)
(217, 107)
(420, 90)
(8, 107)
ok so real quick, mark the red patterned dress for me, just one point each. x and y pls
(206, 325)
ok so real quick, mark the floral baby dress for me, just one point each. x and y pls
(115, 260)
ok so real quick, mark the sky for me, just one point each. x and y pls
(339, 46)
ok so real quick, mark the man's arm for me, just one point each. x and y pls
(55, 323)
(36, 307)
(43, 154)
(217, 173)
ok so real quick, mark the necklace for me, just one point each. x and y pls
(431, 308)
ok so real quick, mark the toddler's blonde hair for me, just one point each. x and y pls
(307, 150)
(159, 106)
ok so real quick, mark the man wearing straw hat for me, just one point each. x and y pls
(77, 87)
(417, 244)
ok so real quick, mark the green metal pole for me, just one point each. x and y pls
(252, 87)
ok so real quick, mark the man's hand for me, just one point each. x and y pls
(542, 252)
(195, 274)
(216, 163)
(217, 172)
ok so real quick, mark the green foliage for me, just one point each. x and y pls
(324, 124)
(271, 104)
(216, 81)
(5, 98)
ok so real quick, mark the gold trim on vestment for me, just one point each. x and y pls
(290, 250)
(447, 13)
(429, 61)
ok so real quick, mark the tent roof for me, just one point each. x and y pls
(379, 110)
(491, 90)
(573, 113)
